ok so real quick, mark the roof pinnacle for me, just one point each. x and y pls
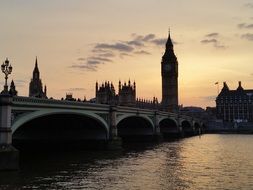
(36, 62)
(169, 41)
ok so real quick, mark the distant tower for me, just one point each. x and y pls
(105, 94)
(169, 71)
(36, 88)
(127, 94)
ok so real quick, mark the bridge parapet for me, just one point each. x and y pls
(31, 101)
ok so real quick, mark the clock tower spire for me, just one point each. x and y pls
(169, 72)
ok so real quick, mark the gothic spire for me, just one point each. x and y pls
(169, 43)
(36, 68)
(36, 62)
(169, 54)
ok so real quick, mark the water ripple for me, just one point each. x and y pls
(209, 162)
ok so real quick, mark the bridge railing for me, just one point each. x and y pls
(20, 99)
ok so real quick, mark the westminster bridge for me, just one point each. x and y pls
(49, 120)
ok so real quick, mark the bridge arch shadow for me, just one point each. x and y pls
(135, 128)
(64, 129)
(169, 128)
(187, 128)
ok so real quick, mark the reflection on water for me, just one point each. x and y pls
(209, 162)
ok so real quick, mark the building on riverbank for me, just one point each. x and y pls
(235, 105)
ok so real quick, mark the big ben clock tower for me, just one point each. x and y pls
(169, 70)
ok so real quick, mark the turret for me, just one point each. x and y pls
(12, 90)
(96, 87)
(239, 88)
(225, 87)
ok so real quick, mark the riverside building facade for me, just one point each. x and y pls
(235, 105)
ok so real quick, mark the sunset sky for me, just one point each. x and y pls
(79, 42)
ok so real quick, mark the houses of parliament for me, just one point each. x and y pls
(105, 93)
(126, 96)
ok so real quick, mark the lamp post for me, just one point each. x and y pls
(6, 69)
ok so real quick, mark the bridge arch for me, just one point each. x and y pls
(135, 126)
(90, 125)
(169, 127)
(187, 128)
(33, 115)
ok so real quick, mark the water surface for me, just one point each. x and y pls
(209, 162)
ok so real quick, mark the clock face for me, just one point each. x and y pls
(167, 67)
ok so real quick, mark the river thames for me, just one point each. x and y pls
(207, 162)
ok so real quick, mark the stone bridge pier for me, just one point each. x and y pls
(9, 156)
(114, 141)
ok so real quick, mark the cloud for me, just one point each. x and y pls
(142, 52)
(99, 59)
(244, 25)
(215, 43)
(214, 35)
(107, 54)
(87, 67)
(117, 46)
(103, 53)
(135, 43)
(93, 62)
(159, 42)
(100, 50)
(148, 37)
(142, 38)
(208, 41)
(214, 39)
(248, 36)
(74, 89)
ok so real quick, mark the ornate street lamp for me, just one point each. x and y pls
(6, 69)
